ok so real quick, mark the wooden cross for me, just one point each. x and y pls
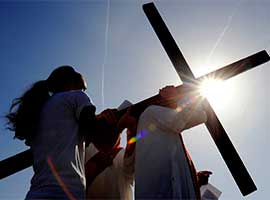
(24, 159)
(218, 133)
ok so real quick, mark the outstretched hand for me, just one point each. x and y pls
(168, 93)
(172, 92)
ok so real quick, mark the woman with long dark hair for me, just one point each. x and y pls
(55, 117)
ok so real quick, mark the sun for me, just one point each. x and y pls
(216, 91)
(211, 88)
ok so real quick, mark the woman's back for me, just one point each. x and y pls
(58, 143)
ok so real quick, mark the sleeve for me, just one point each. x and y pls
(125, 175)
(125, 165)
(164, 118)
(84, 112)
(81, 101)
(173, 120)
(128, 167)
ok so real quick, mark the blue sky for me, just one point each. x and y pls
(36, 37)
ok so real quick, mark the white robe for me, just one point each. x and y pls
(161, 167)
(116, 181)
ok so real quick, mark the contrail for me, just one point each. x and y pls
(105, 55)
(223, 32)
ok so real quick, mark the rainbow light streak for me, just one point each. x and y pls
(59, 180)
(139, 136)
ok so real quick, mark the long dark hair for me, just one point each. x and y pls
(24, 112)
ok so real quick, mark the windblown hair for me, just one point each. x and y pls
(24, 113)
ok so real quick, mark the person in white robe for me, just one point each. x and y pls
(162, 168)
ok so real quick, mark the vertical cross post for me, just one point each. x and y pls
(218, 133)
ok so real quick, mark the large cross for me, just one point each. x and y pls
(218, 133)
(24, 159)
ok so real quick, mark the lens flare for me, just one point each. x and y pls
(139, 136)
(211, 87)
(216, 91)
(59, 180)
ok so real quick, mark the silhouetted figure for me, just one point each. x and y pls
(163, 168)
(57, 119)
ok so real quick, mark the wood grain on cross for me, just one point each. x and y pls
(218, 133)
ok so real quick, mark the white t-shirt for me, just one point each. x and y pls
(57, 144)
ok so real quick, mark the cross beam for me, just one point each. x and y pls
(24, 159)
(16, 163)
(218, 133)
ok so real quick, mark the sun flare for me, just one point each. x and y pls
(216, 91)
(211, 87)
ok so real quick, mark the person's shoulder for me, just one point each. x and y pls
(72, 93)
(74, 96)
